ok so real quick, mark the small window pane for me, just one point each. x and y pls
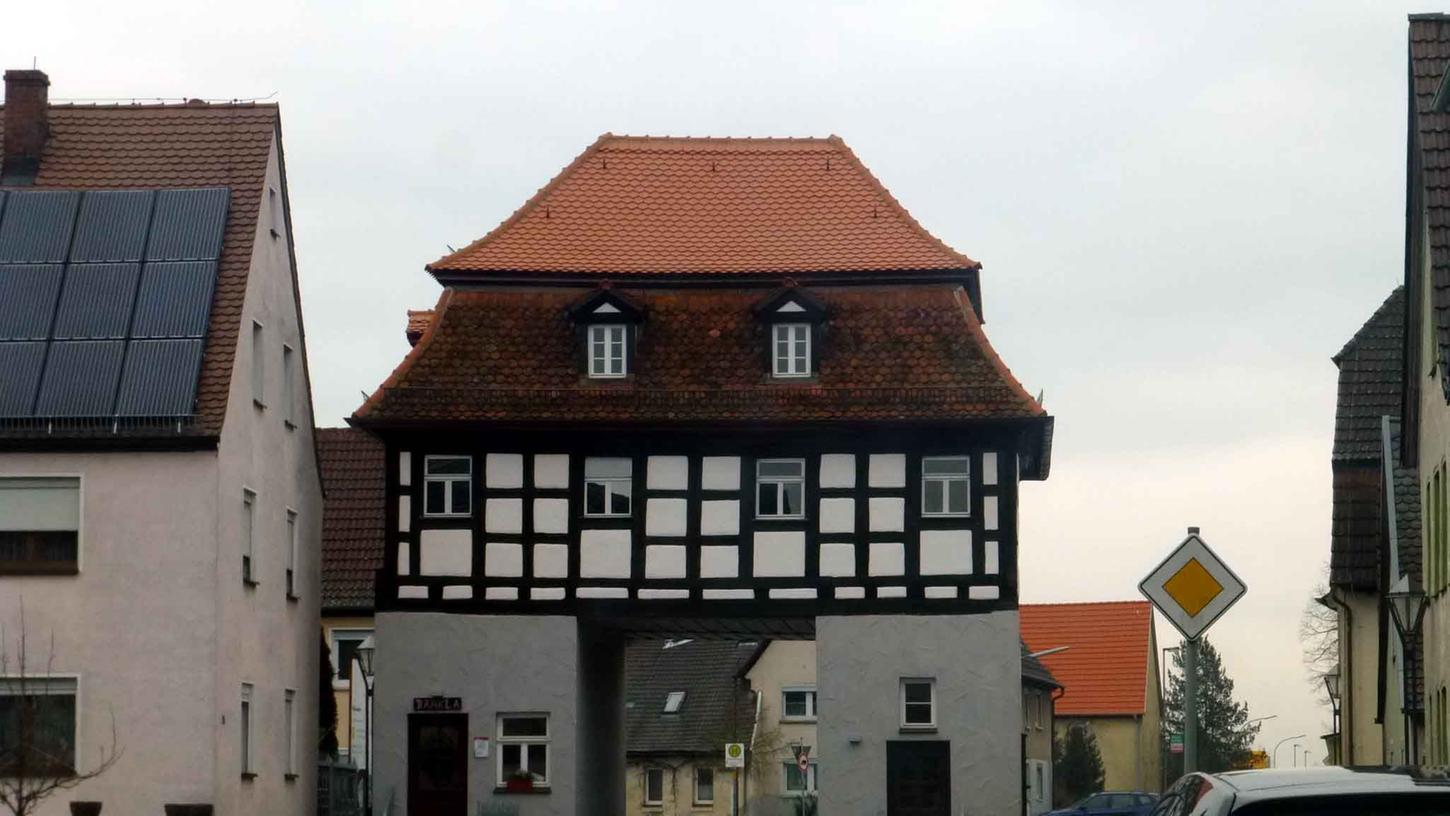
(461, 496)
(791, 499)
(433, 497)
(654, 785)
(935, 500)
(918, 693)
(956, 496)
(945, 466)
(704, 784)
(768, 502)
(448, 465)
(512, 759)
(782, 467)
(525, 726)
(594, 499)
(539, 762)
(619, 498)
(606, 468)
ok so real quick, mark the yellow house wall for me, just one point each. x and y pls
(1128, 750)
(1434, 449)
(679, 789)
(342, 690)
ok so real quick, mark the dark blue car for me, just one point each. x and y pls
(1110, 803)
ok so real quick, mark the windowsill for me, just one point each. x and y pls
(248, 776)
(291, 777)
(291, 598)
(946, 515)
(39, 568)
(289, 424)
(614, 516)
(258, 404)
(250, 583)
(780, 518)
(918, 729)
(798, 720)
(500, 790)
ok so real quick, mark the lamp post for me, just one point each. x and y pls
(1407, 607)
(1275, 756)
(363, 654)
(1294, 752)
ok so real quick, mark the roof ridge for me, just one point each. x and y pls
(198, 105)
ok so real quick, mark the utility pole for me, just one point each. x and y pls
(1190, 705)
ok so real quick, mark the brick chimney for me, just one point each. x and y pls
(27, 100)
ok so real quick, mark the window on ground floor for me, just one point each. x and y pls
(654, 786)
(798, 782)
(704, 786)
(37, 726)
(523, 748)
(918, 702)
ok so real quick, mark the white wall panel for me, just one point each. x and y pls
(838, 470)
(551, 515)
(663, 594)
(838, 560)
(409, 592)
(983, 593)
(989, 468)
(720, 473)
(719, 562)
(991, 556)
(404, 563)
(667, 473)
(838, 515)
(604, 554)
(551, 470)
(503, 470)
(720, 517)
(888, 470)
(405, 468)
(457, 592)
(501, 593)
(665, 517)
(780, 553)
(891, 592)
(546, 594)
(941, 592)
(602, 592)
(503, 560)
(405, 514)
(946, 552)
(445, 552)
(850, 593)
(551, 561)
(793, 593)
(664, 561)
(887, 558)
(727, 594)
(989, 512)
(888, 514)
(503, 515)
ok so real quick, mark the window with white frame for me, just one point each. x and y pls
(290, 542)
(654, 786)
(607, 350)
(780, 487)
(704, 786)
(523, 748)
(673, 701)
(608, 485)
(44, 707)
(40, 520)
(289, 725)
(447, 485)
(791, 344)
(249, 536)
(245, 724)
(945, 486)
(289, 387)
(918, 702)
(344, 647)
(797, 782)
(798, 704)
(259, 366)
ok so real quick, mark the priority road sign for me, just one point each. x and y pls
(1192, 587)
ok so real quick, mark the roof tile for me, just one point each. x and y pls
(1105, 672)
(352, 516)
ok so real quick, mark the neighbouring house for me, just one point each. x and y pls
(1374, 541)
(684, 700)
(1039, 692)
(1108, 668)
(160, 504)
(721, 388)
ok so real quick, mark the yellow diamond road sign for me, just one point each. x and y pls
(1192, 587)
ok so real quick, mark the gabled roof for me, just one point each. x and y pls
(1104, 672)
(1034, 673)
(718, 706)
(1429, 58)
(631, 205)
(1370, 368)
(353, 473)
(176, 146)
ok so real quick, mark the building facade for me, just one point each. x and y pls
(701, 386)
(159, 496)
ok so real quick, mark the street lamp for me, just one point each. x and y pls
(363, 654)
(1275, 756)
(1407, 608)
(1331, 686)
(1294, 752)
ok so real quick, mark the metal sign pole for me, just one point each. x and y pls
(1190, 706)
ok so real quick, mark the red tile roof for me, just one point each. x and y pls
(648, 205)
(888, 352)
(1105, 672)
(352, 516)
(161, 146)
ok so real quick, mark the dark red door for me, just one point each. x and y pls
(918, 778)
(438, 765)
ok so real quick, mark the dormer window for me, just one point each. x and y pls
(606, 350)
(792, 350)
(795, 322)
(606, 324)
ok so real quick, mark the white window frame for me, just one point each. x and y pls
(654, 769)
(447, 479)
(259, 365)
(796, 362)
(67, 684)
(80, 481)
(546, 740)
(335, 635)
(810, 777)
(608, 482)
(695, 787)
(246, 716)
(810, 715)
(290, 542)
(780, 482)
(289, 386)
(611, 341)
(911, 726)
(250, 570)
(946, 481)
(673, 701)
(289, 724)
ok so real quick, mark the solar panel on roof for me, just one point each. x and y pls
(37, 226)
(175, 299)
(188, 225)
(21, 364)
(27, 300)
(160, 378)
(80, 378)
(96, 301)
(112, 226)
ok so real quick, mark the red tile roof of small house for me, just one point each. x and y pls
(111, 147)
(632, 205)
(1104, 672)
(352, 517)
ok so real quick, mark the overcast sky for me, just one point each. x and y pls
(1183, 212)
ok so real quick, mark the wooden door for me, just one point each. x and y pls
(918, 778)
(438, 765)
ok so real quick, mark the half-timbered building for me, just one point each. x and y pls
(701, 386)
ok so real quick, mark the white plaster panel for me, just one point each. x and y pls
(602, 592)
(413, 592)
(503, 515)
(838, 470)
(992, 557)
(667, 473)
(405, 563)
(838, 560)
(983, 593)
(941, 592)
(665, 517)
(503, 470)
(405, 514)
(793, 593)
(664, 561)
(946, 552)
(850, 593)
(891, 592)
(445, 552)
(887, 558)
(546, 594)
(457, 592)
(405, 468)
(780, 553)
(887, 470)
(989, 512)
(727, 594)
(551, 515)
(502, 560)
(551, 561)
(720, 517)
(719, 562)
(551, 470)
(838, 515)
(888, 514)
(989, 468)
(663, 594)
(720, 473)
(604, 554)
(501, 593)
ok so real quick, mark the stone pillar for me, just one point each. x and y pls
(601, 751)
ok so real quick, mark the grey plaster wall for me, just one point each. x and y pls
(497, 664)
(976, 660)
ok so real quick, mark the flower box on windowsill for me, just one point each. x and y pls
(519, 783)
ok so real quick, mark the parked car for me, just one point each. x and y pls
(1309, 792)
(1110, 803)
